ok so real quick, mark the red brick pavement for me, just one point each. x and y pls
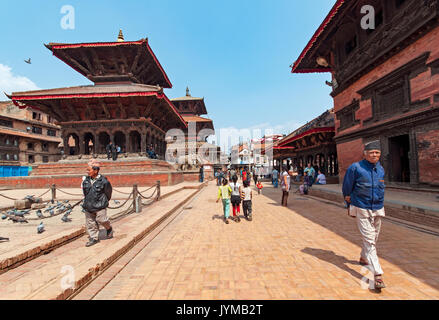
(306, 251)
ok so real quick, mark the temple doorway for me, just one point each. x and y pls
(120, 140)
(104, 140)
(89, 143)
(73, 144)
(399, 148)
(135, 142)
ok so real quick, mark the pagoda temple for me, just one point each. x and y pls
(126, 105)
(199, 129)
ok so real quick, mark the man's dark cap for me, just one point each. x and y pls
(374, 145)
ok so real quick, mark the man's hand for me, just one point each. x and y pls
(217, 200)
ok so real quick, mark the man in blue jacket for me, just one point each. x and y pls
(363, 190)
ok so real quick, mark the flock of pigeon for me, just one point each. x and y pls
(50, 210)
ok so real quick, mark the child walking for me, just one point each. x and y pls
(247, 201)
(259, 186)
(236, 198)
(224, 193)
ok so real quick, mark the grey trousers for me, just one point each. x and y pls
(92, 221)
(369, 227)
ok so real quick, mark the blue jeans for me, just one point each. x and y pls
(276, 183)
(226, 208)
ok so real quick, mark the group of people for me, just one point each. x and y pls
(232, 194)
(113, 150)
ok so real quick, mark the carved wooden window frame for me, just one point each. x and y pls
(348, 111)
(401, 77)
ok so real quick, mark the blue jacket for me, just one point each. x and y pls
(364, 183)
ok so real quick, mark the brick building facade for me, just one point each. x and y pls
(27, 136)
(385, 84)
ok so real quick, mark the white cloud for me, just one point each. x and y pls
(13, 83)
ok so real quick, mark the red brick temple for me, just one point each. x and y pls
(126, 105)
(385, 84)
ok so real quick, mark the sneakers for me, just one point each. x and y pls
(226, 221)
(237, 219)
(91, 242)
(110, 233)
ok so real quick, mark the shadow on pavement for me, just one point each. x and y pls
(389, 248)
(331, 257)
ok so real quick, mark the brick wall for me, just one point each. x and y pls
(428, 156)
(423, 86)
(348, 153)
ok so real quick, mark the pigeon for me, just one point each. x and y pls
(66, 201)
(68, 212)
(52, 212)
(116, 202)
(18, 219)
(19, 214)
(39, 214)
(28, 61)
(10, 212)
(40, 227)
(26, 211)
(4, 217)
(29, 197)
(69, 206)
(65, 218)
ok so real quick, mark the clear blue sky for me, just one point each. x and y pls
(234, 53)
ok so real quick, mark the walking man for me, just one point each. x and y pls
(285, 185)
(108, 149)
(97, 193)
(363, 190)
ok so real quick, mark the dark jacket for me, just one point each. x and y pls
(364, 183)
(96, 195)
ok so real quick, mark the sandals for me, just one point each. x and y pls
(379, 283)
(363, 262)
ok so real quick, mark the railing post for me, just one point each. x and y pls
(135, 195)
(158, 190)
(53, 188)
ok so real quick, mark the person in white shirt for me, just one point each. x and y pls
(321, 179)
(285, 185)
(247, 201)
(236, 198)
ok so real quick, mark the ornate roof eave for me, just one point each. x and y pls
(315, 40)
(285, 142)
(159, 95)
(59, 46)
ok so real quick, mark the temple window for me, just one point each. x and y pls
(346, 116)
(37, 130)
(30, 146)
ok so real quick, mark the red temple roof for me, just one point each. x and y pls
(132, 61)
(297, 67)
